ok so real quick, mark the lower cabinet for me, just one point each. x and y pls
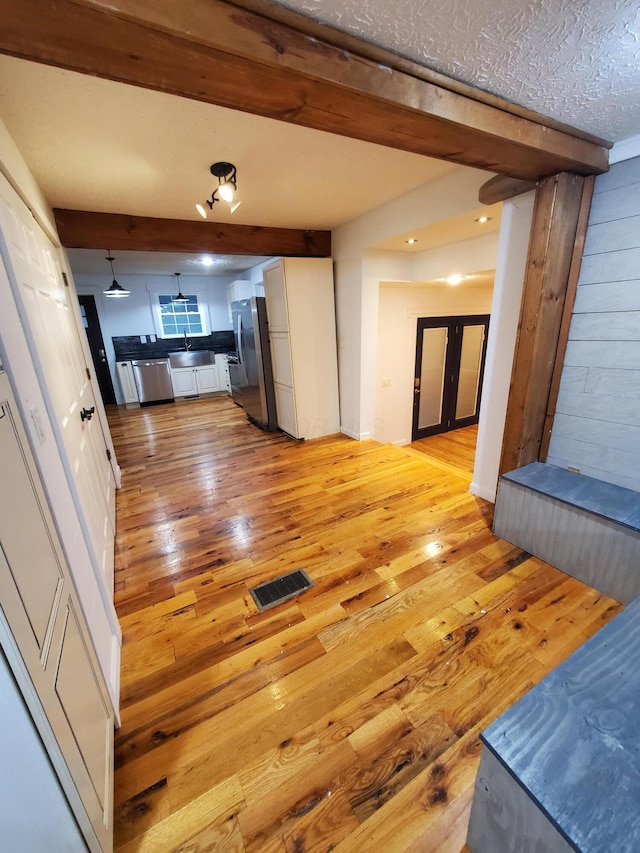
(127, 382)
(223, 373)
(192, 381)
(207, 379)
(183, 380)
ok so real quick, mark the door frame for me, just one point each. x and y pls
(454, 324)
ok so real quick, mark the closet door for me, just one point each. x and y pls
(46, 641)
(450, 353)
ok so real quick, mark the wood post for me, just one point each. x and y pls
(555, 250)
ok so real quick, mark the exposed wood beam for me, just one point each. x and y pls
(215, 52)
(572, 289)
(79, 229)
(501, 187)
(352, 44)
(552, 257)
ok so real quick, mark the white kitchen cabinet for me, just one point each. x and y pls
(207, 380)
(302, 335)
(127, 383)
(183, 380)
(223, 373)
(192, 381)
(242, 289)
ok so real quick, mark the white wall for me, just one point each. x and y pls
(513, 247)
(377, 266)
(400, 305)
(255, 275)
(597, 423)
(16, 171)
(467, 257)
(357, 278)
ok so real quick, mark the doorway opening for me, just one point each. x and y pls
(449, 367)
(91, 323)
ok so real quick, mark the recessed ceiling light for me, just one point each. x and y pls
(483, 219)
(455, 279)
(206, 262)
(411, 241)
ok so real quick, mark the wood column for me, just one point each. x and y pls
(555, 250)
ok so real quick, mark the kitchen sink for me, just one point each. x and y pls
(191, 359)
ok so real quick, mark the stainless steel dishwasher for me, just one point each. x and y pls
(153, 380)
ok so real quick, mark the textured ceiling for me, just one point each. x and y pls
(93, 261)
(577, 61)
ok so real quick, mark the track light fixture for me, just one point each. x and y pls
(180, 297)
(226, 189)
(116, 291)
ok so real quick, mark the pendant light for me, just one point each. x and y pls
(180, 297)
(116, 291)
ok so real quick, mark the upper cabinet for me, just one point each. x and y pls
(302, 335)
(242, 289)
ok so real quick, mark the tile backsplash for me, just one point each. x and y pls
(128, 347)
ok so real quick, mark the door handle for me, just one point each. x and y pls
(87, 414)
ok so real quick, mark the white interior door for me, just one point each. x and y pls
(46, 640)
(44, 302)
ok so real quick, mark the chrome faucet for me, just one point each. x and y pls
(187, 342)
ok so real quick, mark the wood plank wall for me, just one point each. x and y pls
(597, 421)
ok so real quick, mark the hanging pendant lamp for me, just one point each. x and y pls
(116, 291)
(180, 297)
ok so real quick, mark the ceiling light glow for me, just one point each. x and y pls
(411, 241)
(483, 219)
(455, 279)
(206, 262)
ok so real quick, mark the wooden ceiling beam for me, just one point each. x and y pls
(501, 188)
(79, 229)
(220, 53)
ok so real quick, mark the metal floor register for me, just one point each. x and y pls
(280, 589)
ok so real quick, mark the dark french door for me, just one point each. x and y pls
(450, 353)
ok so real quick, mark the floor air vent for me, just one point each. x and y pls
(280, 589)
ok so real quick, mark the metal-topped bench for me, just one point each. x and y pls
(560, 770)
(583, 526)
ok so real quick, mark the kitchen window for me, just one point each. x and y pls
(175, 319)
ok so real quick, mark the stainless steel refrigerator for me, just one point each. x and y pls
(254, 373)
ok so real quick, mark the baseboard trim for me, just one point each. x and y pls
(481, 492)
(358, 436)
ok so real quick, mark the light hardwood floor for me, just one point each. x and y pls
(455, 449)
(349, 718)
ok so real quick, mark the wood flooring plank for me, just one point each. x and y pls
(417, 807)
(217, 804)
